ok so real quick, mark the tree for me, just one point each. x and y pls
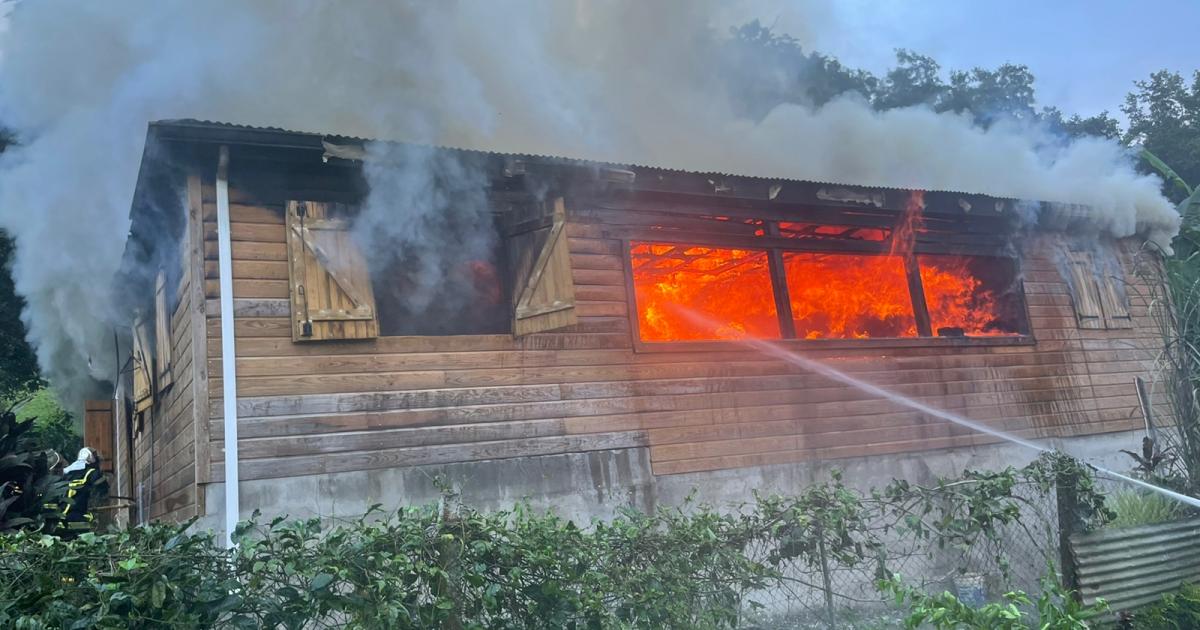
(1164, 118)
(18, 362)
(916, 80)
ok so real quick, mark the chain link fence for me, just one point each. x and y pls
(1015, 555)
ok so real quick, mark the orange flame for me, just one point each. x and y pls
(959, 298)
(842, 296)
(731, 286)
(831, 295)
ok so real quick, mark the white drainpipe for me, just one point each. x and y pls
(228, 353)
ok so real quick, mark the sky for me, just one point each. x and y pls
(1084, 55)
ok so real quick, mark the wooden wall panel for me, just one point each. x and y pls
(175, 431)
(397, 401)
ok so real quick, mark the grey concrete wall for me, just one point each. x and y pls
(591, 485)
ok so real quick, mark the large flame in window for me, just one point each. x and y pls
(730, 287)
(831, 295)
(839, 296)
(970, 295)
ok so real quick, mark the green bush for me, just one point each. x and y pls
(1177, 611)
(1056, 609)
(451, 566)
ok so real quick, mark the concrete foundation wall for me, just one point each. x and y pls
(597, 484)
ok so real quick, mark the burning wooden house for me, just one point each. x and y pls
(594, 356)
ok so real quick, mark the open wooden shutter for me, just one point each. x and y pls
(143, 368)
(330, 284)
(544, 290)
(162, 333)
(1114, 300)
(1085, 294)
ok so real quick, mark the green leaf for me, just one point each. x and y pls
(320, 581)
(225, 604)
(1167, 172)
(158, 594)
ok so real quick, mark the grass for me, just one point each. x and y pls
(1135, 508)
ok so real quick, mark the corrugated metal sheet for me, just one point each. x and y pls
(212, 124)
(1134, 566)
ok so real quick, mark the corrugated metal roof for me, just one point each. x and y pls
(545, 158)
(1135, 566)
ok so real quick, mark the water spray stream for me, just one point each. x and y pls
(824, 369)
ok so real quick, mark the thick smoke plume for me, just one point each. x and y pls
(625, 81)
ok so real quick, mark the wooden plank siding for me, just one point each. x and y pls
(401, 401)
(165, 466)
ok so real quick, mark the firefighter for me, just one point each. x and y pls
(85, 484)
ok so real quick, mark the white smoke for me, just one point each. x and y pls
(624, 81)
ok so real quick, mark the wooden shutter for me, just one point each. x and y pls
(1098, 290)
(1085, 294)
(98, 431)
(330, 284)
(544, 290)
(1114, 300)
(162, 333)
(143, 368)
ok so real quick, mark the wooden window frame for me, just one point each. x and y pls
(775, 246)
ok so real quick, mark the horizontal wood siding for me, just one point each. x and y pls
(165, 452)
(397, 401)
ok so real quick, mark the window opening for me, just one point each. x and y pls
(729, 290)
(845, 296)
(971, 295)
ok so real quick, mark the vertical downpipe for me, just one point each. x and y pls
(228, 354)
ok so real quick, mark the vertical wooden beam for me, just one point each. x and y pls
(917, 291)
(783, 302)
(631, 305)
(195, 276)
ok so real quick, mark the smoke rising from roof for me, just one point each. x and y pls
(623, 81)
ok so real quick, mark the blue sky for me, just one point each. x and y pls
(1085, 55)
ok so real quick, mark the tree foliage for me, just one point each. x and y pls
(1164, 117)
(783, 72)
(18, 362)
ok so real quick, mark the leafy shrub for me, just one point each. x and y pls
(141, 578)
(1134, 507)
(1176, 611)
(432, 566)
(454, 567)
(1056, 609)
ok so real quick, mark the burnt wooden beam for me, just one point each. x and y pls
(783, 303)
(917, 291)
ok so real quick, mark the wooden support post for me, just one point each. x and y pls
(917, 290)
(783, 304)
